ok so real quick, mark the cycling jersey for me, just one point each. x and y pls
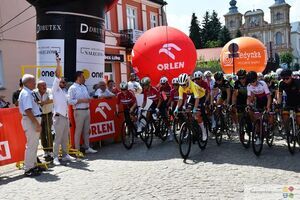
(127, 99)
(192, 88)
(204, 85)
(223, 87)
(259, 91)
(242, 93)
(152, 94)
(292, 91)
(166, 88)
(273, 87)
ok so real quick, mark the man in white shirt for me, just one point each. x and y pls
(133, 85)
(31, 123)
(103, 92)
(79, 98)
(60, 119)
(44, 95)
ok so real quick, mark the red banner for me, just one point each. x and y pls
(12, 136)
(104, 123)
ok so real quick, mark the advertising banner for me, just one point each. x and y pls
(104, 123)
(12, 136)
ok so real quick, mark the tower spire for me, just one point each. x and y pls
(233, 8)
(277, 2)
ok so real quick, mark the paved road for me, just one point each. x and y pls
(225, 172)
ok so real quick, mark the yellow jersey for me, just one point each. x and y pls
(192, 88)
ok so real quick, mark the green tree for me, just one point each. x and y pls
(286, 57)
(205, 28)
(195, 34)
(238, 34)
(213, 44)
(215, 26)
(224, 36)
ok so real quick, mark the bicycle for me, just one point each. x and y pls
(260, 129)
(244, 127)
(292, 131)
(189, 132)
(223, 123)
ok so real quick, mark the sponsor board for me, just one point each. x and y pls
(102, 128)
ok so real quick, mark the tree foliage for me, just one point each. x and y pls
(286, 57)
(195, 32)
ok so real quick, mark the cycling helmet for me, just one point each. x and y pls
(278, 71)
(267, 78)
(251, 76)
(175, 81)
(286, 73)
(123, 86)
(145, 81)
(260, 75)
(183, 78)
(198, 74)
(207, 73)
(241, 72)
(274, 75)
(163, 79)
(218, 76)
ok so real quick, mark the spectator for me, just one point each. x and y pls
(31, 122)
(111, 86)
(103, 92)
(3, 103)
(133, 85)
(60, 119)
(45, 99)
(16, 94)
(79, 98)
(95, 88)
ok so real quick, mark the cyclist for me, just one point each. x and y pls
(239, 96)
(164, 89)
(259, 95)
(187, 86)
(292, 89)
(153, 94)
(198, 79)
(134, 85)
(222, 85)
(127, 99)
(271, 81)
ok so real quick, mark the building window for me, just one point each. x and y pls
(278, 38)
(232, 24)
(131, 18)
(279, 16)
(107, 21)
(1, 71)
(108, 71)
(153, 20)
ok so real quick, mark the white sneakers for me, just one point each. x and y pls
(204, 136)
(90, 150)
(56, 161)
(68, 158)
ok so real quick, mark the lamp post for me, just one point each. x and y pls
(233, 49)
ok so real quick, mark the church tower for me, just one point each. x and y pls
(280, 34)
(233, 19)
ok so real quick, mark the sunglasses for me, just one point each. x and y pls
(183, 85)
(242, 77)
(123, 89)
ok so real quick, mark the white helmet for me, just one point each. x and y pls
(123, 86)
(260, 75)
(163, 79)
(175, 81)
(183, 79)
(198, 74)
(278, 71)
(207, 73)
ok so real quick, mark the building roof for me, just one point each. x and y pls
(209, 53)
(254, 12)
(295, 27)
(162, 2)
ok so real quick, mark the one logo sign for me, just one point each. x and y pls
(101, 107)
(166, 49)
(87, 74)
(4, 151)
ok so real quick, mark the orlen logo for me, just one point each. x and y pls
(4, 151)
(102, 128)
(167, 49)
(101, 108)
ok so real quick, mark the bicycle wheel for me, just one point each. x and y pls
(218, 130)
(162, 129)
(257, 138)
(185, 141)
(270, 136)
(202, 143)
(291, 137)
(175, 129)
(128, 133)
(143, 123)
(244, 133)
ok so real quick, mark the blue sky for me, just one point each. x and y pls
(179, 12)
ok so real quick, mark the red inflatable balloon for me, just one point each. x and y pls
(163, 51)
